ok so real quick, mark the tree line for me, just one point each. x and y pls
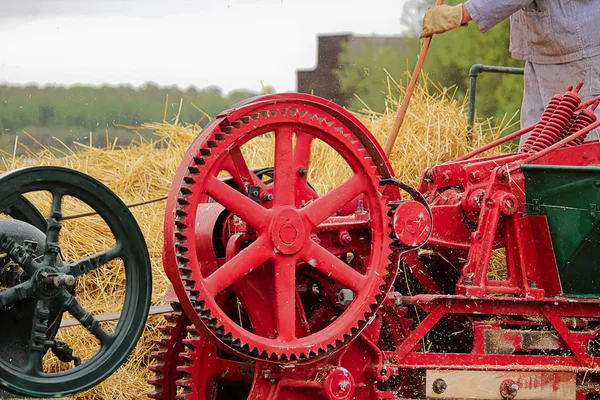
(93, 108)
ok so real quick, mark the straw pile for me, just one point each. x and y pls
(434, 132)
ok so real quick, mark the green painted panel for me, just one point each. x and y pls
(570, 199)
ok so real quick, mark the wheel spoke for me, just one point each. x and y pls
(302, 325)
(19, 254)
(251, 212)
(38, 342)
(52, 248)
(285, 297)
(14, 294)
(302, 149)
(87, 320)
(333, 267)
(327, 205)
(284, 178)
(239, 170)
(92, 262)
(239, 266)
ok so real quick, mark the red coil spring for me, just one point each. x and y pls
(582, 119)
(539, 127)
(554, 129)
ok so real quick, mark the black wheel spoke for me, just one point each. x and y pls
(86, 319)
(92, 262)
(16, 293)
(18, 254)
(52, 248)
(38, 342)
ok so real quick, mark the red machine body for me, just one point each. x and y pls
(371, 290)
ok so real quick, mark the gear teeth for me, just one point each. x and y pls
(163, 358)
(199, 161)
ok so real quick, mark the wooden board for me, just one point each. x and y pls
(485, 385)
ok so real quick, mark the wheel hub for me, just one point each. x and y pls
(288, 232)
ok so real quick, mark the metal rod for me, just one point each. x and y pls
(389, 143)
(474, 74)
(496, 142)
(588, 103)
(164, 309)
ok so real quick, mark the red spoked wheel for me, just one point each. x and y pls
(282, 219)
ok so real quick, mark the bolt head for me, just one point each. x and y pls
(345, 238)
(66, 280)
(475, 176)
(267, 197)
(345, 297)
(439, 386)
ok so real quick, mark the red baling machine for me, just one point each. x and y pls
(483, 283)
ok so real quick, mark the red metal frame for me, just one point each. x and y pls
(477, 206)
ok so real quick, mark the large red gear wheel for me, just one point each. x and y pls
(283, 230)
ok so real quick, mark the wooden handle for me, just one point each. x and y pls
(389, 143)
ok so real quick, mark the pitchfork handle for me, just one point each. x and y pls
(389, 143)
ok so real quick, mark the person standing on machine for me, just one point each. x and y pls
(557, 39)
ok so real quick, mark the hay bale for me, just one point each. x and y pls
(435, 131)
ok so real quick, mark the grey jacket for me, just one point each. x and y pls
(544, 31)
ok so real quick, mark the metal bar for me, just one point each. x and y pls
(485, 362)
(421, 330)
(456, 304)
(577, 347)
(474, 74)
(156, 310)
(496, 142)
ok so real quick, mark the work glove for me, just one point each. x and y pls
(440, 19)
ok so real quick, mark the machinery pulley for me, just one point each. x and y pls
(45, 280)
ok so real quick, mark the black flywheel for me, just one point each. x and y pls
(39, 282)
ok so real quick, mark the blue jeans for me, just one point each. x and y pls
(542, 81)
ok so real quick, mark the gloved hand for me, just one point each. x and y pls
(440, 19)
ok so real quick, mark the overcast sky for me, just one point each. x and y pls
(230, 43)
